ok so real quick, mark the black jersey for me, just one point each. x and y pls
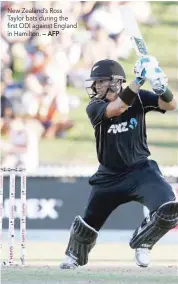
(121, 141)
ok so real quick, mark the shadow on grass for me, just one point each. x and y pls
(152, 143)
(162, 127)
(169, 23)
(169, 3)
(82, 138)
(164, 144)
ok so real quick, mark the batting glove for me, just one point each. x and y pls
(141, 68)
(158, 80)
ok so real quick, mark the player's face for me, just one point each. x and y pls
(115, 89)
(102, 87)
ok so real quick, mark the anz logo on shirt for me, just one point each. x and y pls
(123, 126)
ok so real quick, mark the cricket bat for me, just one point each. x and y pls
(132, 29)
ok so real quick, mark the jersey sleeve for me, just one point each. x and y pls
(149, 101)
(96, 110)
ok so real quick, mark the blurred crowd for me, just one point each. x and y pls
(36, 71)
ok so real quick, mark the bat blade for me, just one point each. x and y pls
(132, 29)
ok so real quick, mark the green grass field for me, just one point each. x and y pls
(78, 146)
(108, 263)
(92, 275)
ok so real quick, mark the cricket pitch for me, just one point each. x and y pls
(108, 263)
(92, 274)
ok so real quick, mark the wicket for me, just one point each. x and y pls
(12, 173)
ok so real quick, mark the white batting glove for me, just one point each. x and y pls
(158, 80)
(147, 67)
(141, 67)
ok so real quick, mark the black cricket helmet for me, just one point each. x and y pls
(105, 70)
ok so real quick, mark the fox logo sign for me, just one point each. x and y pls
(123, 126)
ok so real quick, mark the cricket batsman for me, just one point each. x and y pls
(125, 173)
